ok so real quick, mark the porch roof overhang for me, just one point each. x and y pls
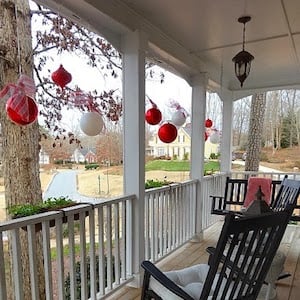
(192, 37)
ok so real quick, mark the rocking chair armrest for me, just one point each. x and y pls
(152, 270)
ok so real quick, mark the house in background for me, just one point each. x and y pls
(181, 147)
(44, 157)
(84, 155)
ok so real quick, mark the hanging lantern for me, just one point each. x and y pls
(61, 77)
(208, 123)
(178, 117)
(242, 60)
(153, 116)
(167, 133)
(22, 111)
(91, 123)
(214, 137)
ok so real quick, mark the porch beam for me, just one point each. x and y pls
(133, 50)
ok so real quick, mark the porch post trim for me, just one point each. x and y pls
(133, 50)
(199, 84)
(226, 140)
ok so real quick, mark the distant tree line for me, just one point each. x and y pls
(281, 127)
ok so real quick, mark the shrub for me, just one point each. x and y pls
(78, 278)
(91, 166)
(28, 209)
(186, 156)
(214, 155)
(23, 210)
(150, 183)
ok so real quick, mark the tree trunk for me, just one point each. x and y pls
(20, 143)
(258, 106)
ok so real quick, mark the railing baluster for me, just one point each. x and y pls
(2, 271)
(117, 243)
(83, 260)
(32, 262)
(147, 226)
(129, 240)
(109, 248)
(47, 260)
(165, 222)
(72, 257)
(102, 278)
(17, 265)
(152, 229)
(59, 258)
(92, 254)
(124, 238)
(160, 224)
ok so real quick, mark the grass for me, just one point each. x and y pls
(174, 165)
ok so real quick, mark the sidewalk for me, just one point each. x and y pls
(261, 168)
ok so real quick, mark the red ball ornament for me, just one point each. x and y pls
(61, 77)
(15, 113)
(167, 133)
(153, 116)
(208, 123)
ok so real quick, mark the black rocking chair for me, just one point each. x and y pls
(237, 269)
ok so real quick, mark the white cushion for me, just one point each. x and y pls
(189, 279)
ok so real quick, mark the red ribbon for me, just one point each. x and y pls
(25, 87)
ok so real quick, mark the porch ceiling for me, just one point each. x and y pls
(203, 35)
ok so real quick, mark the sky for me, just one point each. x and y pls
(87, 78)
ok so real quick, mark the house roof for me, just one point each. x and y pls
(187, 128)
(85, 151)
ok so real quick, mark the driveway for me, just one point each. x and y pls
(64, 183)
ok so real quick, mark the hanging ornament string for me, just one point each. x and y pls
(153, 104)
(153, 115)
(18, 42)
(91, 122)
(61, 76)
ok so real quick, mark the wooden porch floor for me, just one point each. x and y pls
(194, 253)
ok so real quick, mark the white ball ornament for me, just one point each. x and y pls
(214, 138)
(91, 123)
(178, 118)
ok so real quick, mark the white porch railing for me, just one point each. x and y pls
(169, 218)
(85, 258)
(211, 185)
(90, 256)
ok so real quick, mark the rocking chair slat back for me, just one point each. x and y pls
(238, 266)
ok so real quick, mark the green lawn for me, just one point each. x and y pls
(178, 165)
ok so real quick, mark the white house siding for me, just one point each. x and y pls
(44, 158)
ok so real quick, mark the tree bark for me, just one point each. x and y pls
(258, 106)
(20, 143)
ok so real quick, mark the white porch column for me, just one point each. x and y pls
(226, 141)
(133, 49)
(197, 143)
